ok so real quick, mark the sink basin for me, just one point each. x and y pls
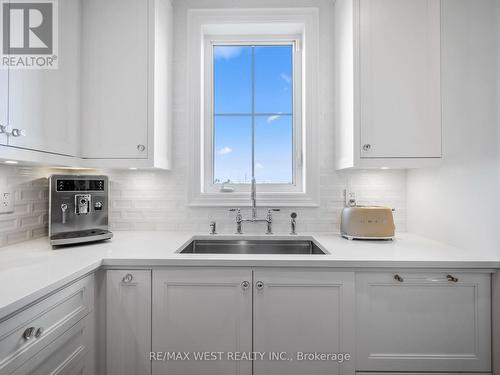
(301, 247)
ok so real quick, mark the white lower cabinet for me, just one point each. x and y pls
(128, 322)
(53, 336)
(423, 322)
(304, 313)
(198, 310)
(275, 314)
(66, 355)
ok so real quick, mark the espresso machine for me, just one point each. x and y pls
(78, 209)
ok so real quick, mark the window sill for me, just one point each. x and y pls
(281, 199)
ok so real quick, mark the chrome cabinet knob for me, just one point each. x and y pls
(367, 147)
(259, 285)
(245, 285)
(128, 278)
(4, 129)
(18, 132)
(29, 333)
(452, 279)
(39, 332)
(398, 278)
(141, 148)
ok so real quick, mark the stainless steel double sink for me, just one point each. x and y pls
(252, 246)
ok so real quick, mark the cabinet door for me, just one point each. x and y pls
(423, 322)
(400, 79)
(45, 103)
(4, 102)
(303, 312)
(115, 79)
(202, 310)
(128, 322)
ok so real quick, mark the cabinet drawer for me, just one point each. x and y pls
(66, 355)
(54, 315)
(423, 322)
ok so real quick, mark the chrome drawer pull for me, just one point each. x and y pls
(29, 333)
(39, 332)
(259, 285)
(398, 278)
(245, 285)
(128, 278)
(452, 278)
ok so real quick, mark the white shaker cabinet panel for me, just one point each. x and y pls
(199, 310)
(400, 78)
(388, 91)
(128, 322)
(115, 79)
(4, 104)
(46, 103)
(423, 322)
(126, 83)
(303, 311)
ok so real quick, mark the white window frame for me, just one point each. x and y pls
(256, 40)
(238, 27)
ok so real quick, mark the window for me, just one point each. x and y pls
(253, 114)
(252, 106)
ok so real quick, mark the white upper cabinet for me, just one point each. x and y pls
(388, 97)
(43, 104)
(126, 82)
(108, 104)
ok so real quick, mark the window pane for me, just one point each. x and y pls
(273, 149)
(232, 149)
(273, 79)
(232, 79)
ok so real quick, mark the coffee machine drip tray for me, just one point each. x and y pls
(88, 235)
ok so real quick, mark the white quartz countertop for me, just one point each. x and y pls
(32, 269)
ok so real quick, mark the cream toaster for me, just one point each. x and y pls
(367, 223)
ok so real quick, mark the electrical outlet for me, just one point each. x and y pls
(6, 201)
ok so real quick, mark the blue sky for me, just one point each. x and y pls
(272, 109)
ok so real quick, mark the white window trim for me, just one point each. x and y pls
(273, 24)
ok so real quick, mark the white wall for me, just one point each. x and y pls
(459, 202)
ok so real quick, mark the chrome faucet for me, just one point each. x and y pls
(254, 219)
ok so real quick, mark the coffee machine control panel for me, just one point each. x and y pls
(79, 185)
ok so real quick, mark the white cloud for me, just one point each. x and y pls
(227, 53)
(225, 150)
(286, 78)
(272, 118)
(259, 166)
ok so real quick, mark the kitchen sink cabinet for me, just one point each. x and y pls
(298, 311)
(433, 322)
(128, 322)
(388, 92)
(291, 311)
(202, 310)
